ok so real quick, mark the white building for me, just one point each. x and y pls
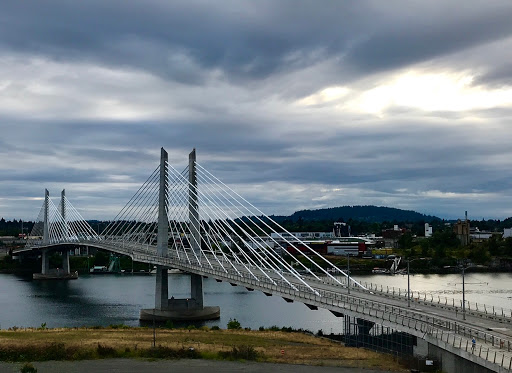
(428, 230)
(507, 232)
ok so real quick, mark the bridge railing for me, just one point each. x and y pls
(492, 312)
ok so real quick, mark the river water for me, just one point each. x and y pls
(115, 299)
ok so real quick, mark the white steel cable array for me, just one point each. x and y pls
(233, 234)
(72, 228)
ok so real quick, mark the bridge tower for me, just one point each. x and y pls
(45, 257)
(162, 291)
(196, 281)
(63, 273)
(178, 309)
(65, 252)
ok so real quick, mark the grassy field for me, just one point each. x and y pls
(268, 346)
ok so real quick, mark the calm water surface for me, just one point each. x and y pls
(115, 299)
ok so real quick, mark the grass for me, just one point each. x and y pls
(31, 344)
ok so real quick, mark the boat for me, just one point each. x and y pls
(113, 267)
(99, 269)
(392, 270)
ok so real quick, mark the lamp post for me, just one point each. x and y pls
(408, 285)
(463, 268)
(409, 281)
(463, 295)
(348, 272)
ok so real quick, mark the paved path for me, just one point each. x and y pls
(161, 366)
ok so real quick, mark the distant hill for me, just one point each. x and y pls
(362, 213)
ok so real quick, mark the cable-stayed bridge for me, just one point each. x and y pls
(192, 221)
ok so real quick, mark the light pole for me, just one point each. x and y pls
(348, 273)
(409, 281)
(463, 295)
(408, 285)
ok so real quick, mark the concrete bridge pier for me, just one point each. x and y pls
(45, 262)
(47, 273)
(187, 309)
(65, 262)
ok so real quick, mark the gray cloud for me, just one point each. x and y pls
(91, 91)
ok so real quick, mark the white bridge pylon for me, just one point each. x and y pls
(210, 225)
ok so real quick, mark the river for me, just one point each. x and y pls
(116, 299)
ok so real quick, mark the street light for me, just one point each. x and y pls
(348, 272)
(408, 285)
(463, 292)
(463, 269)
(409, 282)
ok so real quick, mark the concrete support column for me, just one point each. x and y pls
(45, 262)
(161, 289)
(65, 261)
(196, 281)
(196, 290)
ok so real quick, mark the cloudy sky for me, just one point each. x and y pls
(295, 104)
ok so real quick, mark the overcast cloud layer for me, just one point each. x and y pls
(294, 104)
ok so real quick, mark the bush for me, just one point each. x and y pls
(215, 327)
(105, 351)
(169, 324)
(28, 368)
(242, 352)
(234, 324)
(261, 329)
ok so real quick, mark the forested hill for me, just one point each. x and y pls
(362, 213)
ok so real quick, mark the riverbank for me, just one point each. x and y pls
(77, 344)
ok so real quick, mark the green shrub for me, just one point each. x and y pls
(234, 324)
(215, 327)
